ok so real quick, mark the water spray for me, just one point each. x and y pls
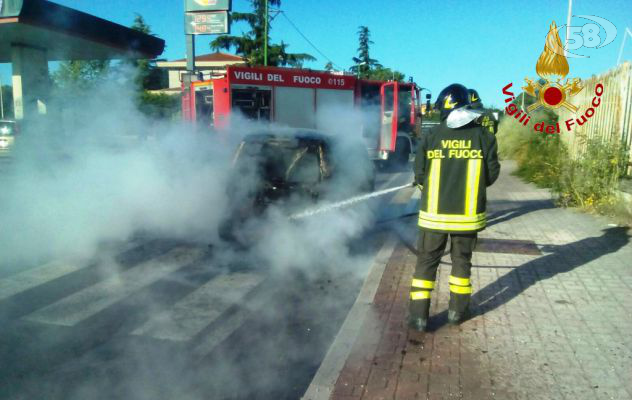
(345, 203)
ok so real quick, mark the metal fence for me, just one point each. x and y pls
(612, 119)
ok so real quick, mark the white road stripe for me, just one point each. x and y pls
(23, 281)
(229, 325)
(193, 313)
(89, 301)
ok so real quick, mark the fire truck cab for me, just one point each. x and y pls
(387, 112)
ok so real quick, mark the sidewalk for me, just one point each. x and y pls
(552, 309)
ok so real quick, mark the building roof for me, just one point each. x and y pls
(213, 61)
(215, 57)
(69, 34)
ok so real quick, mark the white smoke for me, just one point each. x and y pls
(105, 174)
(102, 172)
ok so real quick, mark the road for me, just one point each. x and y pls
(158, 318)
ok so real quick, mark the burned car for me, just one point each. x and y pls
(293, 169)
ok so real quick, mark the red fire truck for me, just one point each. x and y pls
(389, 117)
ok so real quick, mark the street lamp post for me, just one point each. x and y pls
(358, 68)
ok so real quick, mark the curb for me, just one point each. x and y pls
(324, 381)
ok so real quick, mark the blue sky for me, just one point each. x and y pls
(481, 44)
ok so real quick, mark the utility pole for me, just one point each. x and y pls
(1, 101)
(568, 26)
(265, 37)
(627, 33)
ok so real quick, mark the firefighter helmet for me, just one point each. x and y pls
(452, 97)
(475, 99)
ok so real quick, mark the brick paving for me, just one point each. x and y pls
(551, 326)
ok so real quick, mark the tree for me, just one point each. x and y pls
(80, 74)
(158, 105)
(148, 76)
(369, 68)
(155, 105)
(251, 44)
(386, 74)
(364, 63)
(329, 66)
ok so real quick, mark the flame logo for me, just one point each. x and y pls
(552, 66)
(552, 62)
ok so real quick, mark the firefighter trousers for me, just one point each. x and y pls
(430, 248)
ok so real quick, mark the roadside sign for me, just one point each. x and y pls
(206, 23)
(207, 5)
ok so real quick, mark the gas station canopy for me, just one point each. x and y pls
(67, 34)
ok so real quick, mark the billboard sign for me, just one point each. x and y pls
(207, 5)
(207, 23)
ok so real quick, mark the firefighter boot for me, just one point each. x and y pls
(419, 311)
(460, 293)
(459, 308)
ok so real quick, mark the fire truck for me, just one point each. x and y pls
(389, 118)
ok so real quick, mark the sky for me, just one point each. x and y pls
(481, 44)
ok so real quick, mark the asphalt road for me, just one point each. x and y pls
(172, 321)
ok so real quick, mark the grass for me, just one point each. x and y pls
(589, 181)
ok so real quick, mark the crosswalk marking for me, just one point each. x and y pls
(37, 276)
(217, 336)
(89, 301)
(193, 313)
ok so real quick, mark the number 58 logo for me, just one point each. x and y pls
(595, 35)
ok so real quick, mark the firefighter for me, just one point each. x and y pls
(488, 120)
(454, 164)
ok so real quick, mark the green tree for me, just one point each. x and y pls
(251, 44)
(329, 66)
(364, 63)
(158, 105)
(385, 74)
(147, 75)
(80, 75)
(154, 105)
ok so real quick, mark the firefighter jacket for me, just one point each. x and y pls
(489, 121)
(455, 166)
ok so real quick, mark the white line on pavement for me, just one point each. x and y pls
(229, 325)
(89, 301)
(199, 309)
(37, 276)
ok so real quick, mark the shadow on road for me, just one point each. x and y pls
(564, 258)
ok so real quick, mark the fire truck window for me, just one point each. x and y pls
(388, 98)
(253, 103)
(403, 104)
(204, 106)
